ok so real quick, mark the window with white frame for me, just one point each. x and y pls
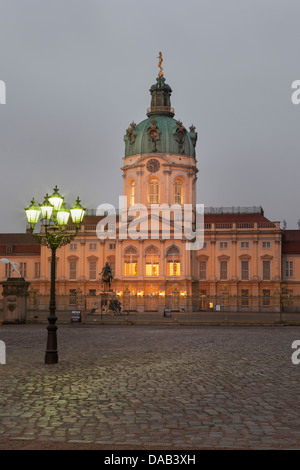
(289, 269)
(92, 246)
(223, 245)
(73, 247)
(23, 269)
(245, 245)
(266, 244)
(92, 270)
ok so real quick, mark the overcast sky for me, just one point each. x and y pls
(78, 72)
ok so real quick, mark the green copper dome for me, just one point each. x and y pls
(160, 132)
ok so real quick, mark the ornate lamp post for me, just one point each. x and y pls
(54, 218)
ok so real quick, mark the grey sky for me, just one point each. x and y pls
(78, 72)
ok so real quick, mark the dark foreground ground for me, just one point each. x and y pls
(150, 387)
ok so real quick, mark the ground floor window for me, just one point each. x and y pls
(245, 297)
(266, 298)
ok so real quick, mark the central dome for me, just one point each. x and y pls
(160, 133)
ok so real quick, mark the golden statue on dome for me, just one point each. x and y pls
(160, 74)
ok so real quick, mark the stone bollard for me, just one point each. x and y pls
(15, 292)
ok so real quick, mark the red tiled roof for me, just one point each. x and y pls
(229, 218)
(291, 241)
(21, 243)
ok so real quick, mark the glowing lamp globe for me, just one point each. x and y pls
(56, 199)
(63, 215)
(77, 212)
(32, 213)
(46, 210)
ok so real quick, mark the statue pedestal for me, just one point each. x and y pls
(15, 292)
(107, 299)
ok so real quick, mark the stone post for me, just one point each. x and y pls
(15, 292)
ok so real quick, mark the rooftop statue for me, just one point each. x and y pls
(160, 74)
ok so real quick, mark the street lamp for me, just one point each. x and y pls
(54, 218)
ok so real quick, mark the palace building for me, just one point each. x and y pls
(246, 263)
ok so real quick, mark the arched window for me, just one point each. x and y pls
(173, 261)
(153, 191)
(152, 261)
(178, 199)
(131, 261)
(132, 193)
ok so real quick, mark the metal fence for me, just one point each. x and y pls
(98, 306)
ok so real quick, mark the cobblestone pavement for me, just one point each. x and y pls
(150, 387)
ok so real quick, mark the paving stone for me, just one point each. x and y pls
(186, 387)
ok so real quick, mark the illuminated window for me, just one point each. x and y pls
(152, 262)
(153, 191)
(173, 261)
(131, 262)
(132, 193)
(178, 191)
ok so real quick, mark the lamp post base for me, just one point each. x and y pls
(51, 356)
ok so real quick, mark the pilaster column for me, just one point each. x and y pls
(167, 172)
(255, 275)
(162, 259)
(213, 258)
(234, 244)
(139, 175)
(118, 258)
